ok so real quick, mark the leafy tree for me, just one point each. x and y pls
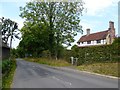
(9, 29)
(33, 40)
(61, 19)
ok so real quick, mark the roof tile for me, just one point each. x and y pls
(94, 36)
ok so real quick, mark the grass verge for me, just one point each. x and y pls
(7, 77)
(108, 68)
(51, 62)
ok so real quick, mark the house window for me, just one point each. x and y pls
(88, 42)
(79, 43)
(98, 41)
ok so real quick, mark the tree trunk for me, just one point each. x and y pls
(51, 32)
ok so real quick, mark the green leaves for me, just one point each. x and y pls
(8, 29)
(92, 54)
(45, 19)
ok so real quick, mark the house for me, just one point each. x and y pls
(98, 38)
(5, 51)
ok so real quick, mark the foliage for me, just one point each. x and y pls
(14, 53)
(6, 66)
(116, 45)
(49, 25)
(104, 53)
(46, 54)
(9, 29)
(66, 55)
(117, 41)
(7, 75)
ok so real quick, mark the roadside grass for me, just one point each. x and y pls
(51, 62)
(7, 77)
(108, 68)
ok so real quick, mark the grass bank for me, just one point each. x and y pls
(108, 68)
(51, 62)
(8, 69)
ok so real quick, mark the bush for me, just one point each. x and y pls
(104, 53)
(7, 65)
(8, 68)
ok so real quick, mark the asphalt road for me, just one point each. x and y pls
(33, 75)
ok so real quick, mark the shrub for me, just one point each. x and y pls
(104, 53)
(7, 65)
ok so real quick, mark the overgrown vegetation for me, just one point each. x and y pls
(101, 68)
(51, 62)
(8, 69)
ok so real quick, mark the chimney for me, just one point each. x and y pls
(111, 25)
(88, 31)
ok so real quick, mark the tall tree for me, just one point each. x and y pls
(62, 20)
(9, 29)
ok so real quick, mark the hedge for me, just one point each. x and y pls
(91, 54)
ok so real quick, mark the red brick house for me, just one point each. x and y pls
(98, 38)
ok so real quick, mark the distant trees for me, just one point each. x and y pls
(49, 25)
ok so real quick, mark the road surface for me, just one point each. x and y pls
(33, 75)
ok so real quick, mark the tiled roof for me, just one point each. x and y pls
(94, 36)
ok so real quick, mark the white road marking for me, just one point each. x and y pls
(68, 83)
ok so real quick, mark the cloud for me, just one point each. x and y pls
(96, 6)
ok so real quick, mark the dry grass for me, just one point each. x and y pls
(101, 68)
(51, 62)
